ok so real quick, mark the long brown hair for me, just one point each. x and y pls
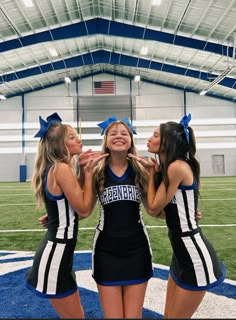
(175, 145)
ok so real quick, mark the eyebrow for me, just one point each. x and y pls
(115, 130)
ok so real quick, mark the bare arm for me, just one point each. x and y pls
(151, 166)
(83, 160)
(158, 199)
(159, 215)
(80, 199)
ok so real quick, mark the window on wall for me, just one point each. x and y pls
(218, 164)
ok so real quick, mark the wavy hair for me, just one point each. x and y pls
(99, 172)
(52, 150)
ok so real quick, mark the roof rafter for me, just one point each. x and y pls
(113, 28)
(108, 57)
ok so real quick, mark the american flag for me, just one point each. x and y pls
(103, 87)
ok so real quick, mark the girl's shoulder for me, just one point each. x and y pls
(178, 167)
(62, 166)
(181, 172)
(178, 164)
(62, 170)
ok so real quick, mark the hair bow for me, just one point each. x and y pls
(44, 125)
(129, 125)
(184, 122)
(103, 125)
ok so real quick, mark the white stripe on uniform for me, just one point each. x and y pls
(54, 268)
(71, 223)
(207, 257)
(197, 260)
(42, 266)
(182, 210)
(62, 218)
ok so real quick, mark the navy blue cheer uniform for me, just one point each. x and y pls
(121, 247)
(52, 274)
(194, 265)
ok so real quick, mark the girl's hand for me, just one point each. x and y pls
(156, 164)
(198, 215)
(43, 220)
(86, 156)
(93, 160)
(147, 163)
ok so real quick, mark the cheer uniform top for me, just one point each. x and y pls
(194, 265)
(52, 274)
(121, 247)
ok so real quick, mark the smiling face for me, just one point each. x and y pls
(153, 143)
(118, 137)
(73, 142)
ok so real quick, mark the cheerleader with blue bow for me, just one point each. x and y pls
(55, 185)
(122, 257)
(173, 189)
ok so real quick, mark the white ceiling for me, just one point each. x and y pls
(190, 43)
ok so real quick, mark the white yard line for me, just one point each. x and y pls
(17, 204)
(16, 194)
(33, 203)
(205, 189)
(222, 199)
(93, 228)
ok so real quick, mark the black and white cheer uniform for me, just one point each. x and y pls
(52, 274)
(121, 248)
(194, 265)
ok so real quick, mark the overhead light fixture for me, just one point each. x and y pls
(203, 92)
(28, 3)
(2, 97)
(144, 50)
(137, 78)
(67, 79)
(217, 80)
(53, 52)
(156, 2)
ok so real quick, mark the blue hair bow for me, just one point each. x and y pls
(44, 125)
(103, 125)
(185, 121)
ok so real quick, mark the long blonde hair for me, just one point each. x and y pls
(140, 173)
(52, 150)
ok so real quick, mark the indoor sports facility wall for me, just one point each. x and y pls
(146, 105)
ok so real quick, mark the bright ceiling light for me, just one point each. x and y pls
(53, 52)
(137, 78)
(28, 3)
(67, 79)
(156, 2)
(2, 97)
(144, 50)
(203, 92)
(217, 80)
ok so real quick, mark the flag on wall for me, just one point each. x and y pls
(103, 87)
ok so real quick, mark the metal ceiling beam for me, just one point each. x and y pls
(112, 28)
(107, 57)
(176, 87)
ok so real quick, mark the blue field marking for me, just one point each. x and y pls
(18, 302)
(16, 259)
(4, 253)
